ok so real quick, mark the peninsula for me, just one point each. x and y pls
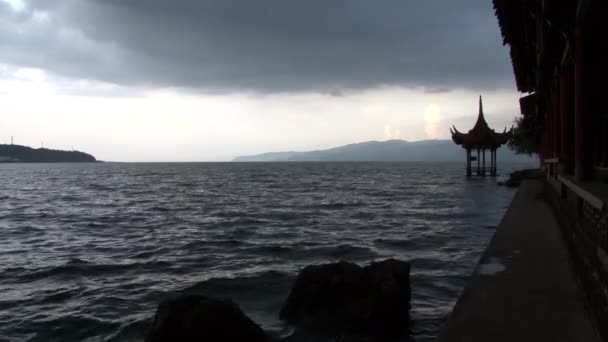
(25, 154)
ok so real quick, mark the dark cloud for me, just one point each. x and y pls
(261, 45)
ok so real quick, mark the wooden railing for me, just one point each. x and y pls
(586, 208)
(584, 218)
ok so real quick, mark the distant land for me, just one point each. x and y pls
(391, 150)
(24, 154)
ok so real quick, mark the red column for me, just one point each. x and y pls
(550, 121)
(605, 143)
(601, 141)
(544, 148)
(597, 140)
(582, 150)
(556, 121)
(566, 119)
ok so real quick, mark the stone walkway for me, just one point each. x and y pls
(524, 288)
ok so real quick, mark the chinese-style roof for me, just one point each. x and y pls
(518, 28)
(481, 136)
(528, 104)
(529, 26)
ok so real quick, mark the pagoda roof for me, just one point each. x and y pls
(481, 135)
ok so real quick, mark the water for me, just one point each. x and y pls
(88, 250)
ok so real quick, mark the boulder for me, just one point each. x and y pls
(517, 177)
(191, 317)
(344, 298)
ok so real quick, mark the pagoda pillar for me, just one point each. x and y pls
(582, 148)
(566, 104)
(483, 170)
(478, 162)
(468, 162)
(494, 162)
(491, 162)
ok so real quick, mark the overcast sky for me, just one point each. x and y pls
(196, 80)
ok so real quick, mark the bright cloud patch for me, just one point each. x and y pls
(391, 133)
(432, 118)
(16, 5)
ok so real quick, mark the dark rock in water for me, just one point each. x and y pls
(198, 318)
(517, 177)
(299, 335)
(344, 298)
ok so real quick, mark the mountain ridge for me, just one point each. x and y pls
(389, 150)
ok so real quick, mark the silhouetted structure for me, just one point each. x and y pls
(558, 50)
(481, 138)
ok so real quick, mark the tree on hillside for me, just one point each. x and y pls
(527, 135)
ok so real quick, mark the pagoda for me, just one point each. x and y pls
(481, 138)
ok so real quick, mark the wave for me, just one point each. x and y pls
(393, 243)
(80, 268)
(241, 231)
(338, 205)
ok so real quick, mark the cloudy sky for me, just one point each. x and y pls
(207, 80)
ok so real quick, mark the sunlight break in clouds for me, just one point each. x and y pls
(16, 5)
(391, 133)
(432, 118)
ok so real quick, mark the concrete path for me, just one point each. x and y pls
(524, 288)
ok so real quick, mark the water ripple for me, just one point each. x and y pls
(87, 251)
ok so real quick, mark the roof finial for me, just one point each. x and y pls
(480, 106)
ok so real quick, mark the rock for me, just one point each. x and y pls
(517, 177)
(197, 318)
(306, 336)
(344, 298)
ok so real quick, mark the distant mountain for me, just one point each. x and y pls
(24, 154)
(392, 150)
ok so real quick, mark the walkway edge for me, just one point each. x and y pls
(524, 287)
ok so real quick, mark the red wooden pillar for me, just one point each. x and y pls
(583, 153)
(601, 142)
(566, 104)
(604, 146)
(548, 127)
(548, 147)
(556, 120)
